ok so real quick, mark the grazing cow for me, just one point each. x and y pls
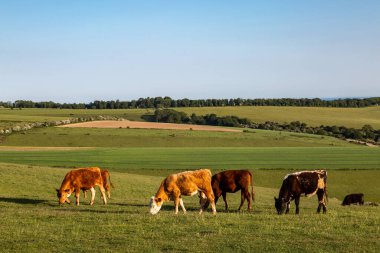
(355, 198)
(233, 181)
(186, 183)
(75, 180)
(105, 177)
(298, 183)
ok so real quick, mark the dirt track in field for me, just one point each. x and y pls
(148, 125)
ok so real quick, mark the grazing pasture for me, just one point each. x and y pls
(94, 137)
(33, 221)
(271, 163)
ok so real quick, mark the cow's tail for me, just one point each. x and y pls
(252, 192)
(109, 178)
(325, 190)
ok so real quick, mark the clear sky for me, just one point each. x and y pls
(80, 51)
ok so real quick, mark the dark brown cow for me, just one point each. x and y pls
(233, 181)
(354, 198)
(298, 183)
(105, 177)
(75, 180)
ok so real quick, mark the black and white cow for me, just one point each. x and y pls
(304, 182)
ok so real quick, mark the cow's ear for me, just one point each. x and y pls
(275, 199)
(67, 190)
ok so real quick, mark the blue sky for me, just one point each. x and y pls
(80, 51)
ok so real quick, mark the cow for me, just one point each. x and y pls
(354, 198)
(186, 183)
(105, 177)
(298, 183)
(77, 179)
(233, 181)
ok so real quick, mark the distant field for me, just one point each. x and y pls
(314, 116)
(32, 221)
(9, 117)
(148, 125)
(95, 137)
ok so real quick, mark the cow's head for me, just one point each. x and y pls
(280, 205)
(63, 196)
(155, 205)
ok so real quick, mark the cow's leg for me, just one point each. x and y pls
(204, 202)
(248, 197)
(321, 201)
(216, 199)
(242, 200)
(77, 191)
(287, 207)
(92, 195)
(176, 203)
(182, 205)
(211, 198)
(85, 194)
(101, 188)
(224, 194)
(297, 203)
(108, 191)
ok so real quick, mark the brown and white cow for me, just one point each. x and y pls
(84, 178)
(233, 181)
(305, 182)
(186, 183)
(105, 177)
(354, 198)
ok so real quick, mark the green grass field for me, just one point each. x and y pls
(90, 137)
(163, 161)
(313, 116)
(10, 117)
(32, 220)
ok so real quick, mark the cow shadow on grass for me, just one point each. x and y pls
(87, 210)
(23, 201)
(129, 204)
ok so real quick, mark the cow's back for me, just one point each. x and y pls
(232, 180)
(84, 177)
(189, 182)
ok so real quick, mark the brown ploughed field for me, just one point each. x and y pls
(148, 125)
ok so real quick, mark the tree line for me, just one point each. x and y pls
(366, 133)
(166, 102)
